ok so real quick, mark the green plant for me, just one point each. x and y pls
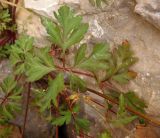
(59, 98)
(98, 3)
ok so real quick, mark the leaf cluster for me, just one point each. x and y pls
(122, 116)
(68, 30)
(10, 100)
(5, 21)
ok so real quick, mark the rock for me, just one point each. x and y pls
(149, 10)
(42, 7)
(30, 23)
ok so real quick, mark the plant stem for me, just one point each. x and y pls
(26, 110)
(141, 115)
(6, 97)
(75, 71)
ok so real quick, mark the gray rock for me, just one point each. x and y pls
(149, 10)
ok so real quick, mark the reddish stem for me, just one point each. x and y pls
(6, 97)
(75, 71)
(141, 115)
(26, 111)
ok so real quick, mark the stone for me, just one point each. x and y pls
(149, 10)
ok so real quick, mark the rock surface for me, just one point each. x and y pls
(150, 10)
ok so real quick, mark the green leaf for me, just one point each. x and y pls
(122, 117)
(119, 64)
(124, 77)
(19, 52)
(44, 56)
(121, 109)
(97, 60)
(11, 96)
(64, 118)
(53, 31)
(80, 54)
(36, 69)
(68, 31)
(82, 124)
(124, 121)
(8, 84)
(77, 84)
(105, 134)
(56, 86)
(23, 45)
(5, 19)
(133, 101)
(39, 66)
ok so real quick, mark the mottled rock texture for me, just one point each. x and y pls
(150, 10)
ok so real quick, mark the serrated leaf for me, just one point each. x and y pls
(56, 86)
(133, 101)
(64, 118)
(53, 31)
(76, 36)
(121, 60)
(125, 77)
(36, 70)
(23, 45)
(4, 20)
(18, 53)
(68, 31)
(97, 60)
(124, 121)
(8, 84)
(80, 54)
(77, 84)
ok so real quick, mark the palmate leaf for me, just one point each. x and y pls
(18, 53)
(97, 60)
(10, 101)
(64, 118)
(36, 69)
(56, 86)
(40, 65)
(119, 64)
(4, 19)
(68, 31)
(23, 45)
(131, 100)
